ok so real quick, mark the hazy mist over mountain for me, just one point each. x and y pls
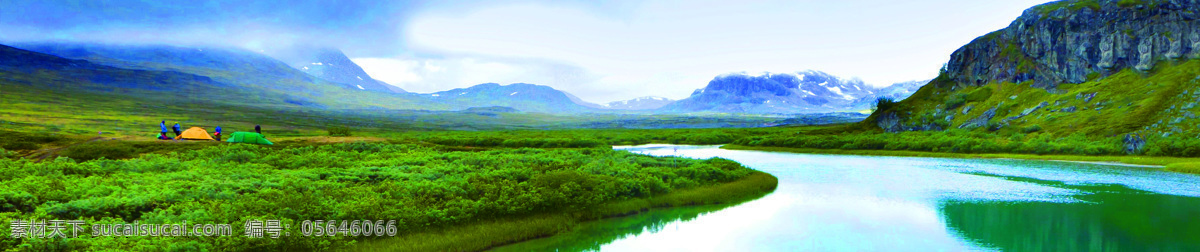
(601, 52)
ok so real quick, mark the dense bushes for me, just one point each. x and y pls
(584, 137)
(338, 131)
(1173, 146)
(12, 140)
(884, 104)
(99, 149)
(946, 141)
(112, 149)
(1184, 167)
(419, 187)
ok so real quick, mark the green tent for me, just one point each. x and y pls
(248, 137)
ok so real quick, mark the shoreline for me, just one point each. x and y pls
(1113, 163)
(488, 234)
(1127, 161)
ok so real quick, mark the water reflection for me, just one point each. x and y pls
(864, 203)
(590, 236)
(1111, 218)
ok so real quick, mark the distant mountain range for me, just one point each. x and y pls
(640, 103)
(785, 93)
(520, 96)
(326, 78)
(236, 70)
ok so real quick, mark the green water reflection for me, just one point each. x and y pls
(1111, 218)
(590, 236)
(861, 203)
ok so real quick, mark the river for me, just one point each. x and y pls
(871, 203)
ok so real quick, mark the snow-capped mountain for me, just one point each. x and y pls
(520, 96)
(896, 92)
(640, 103)
(775, 93)
(332, 65)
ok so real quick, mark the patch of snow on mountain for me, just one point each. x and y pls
(360, 87)
(359, 77)
(839, 92)
(513, 93)
(434, 95)
(318, 63)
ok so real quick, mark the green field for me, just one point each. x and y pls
(504, 195)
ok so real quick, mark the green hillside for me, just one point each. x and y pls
(1096, 77)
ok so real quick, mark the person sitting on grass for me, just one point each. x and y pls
(257, 129)
(217, 135)
(177, 131)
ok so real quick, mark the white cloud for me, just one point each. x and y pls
(433, 75)
(671, 48)
(393, 71)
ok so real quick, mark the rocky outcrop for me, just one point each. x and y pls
(889, 122)
(980, 121)
(1070, 41)
(1134, 144)
(1026, 112)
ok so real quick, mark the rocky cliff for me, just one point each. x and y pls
(1100, 68)
(1074, 41)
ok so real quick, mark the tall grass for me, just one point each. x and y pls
(487, 234)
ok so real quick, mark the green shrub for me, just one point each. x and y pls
(981, 94)
(339, 131)
(1184, 167)
(956, 100)
(13, 140)
(1031, 129)
(99, 149)
(1128, 3)
(884, 104)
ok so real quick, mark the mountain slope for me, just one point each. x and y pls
(1100, 68)
(332, 65)
(520, 96)
(242, 69)
(803, 92)
(19, 66)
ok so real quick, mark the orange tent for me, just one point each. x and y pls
(195, 133)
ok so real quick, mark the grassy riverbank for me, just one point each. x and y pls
(1178, 164)
(440, 197)
(492, 233)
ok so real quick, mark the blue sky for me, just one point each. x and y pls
(599, 51)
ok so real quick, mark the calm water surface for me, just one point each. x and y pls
(865, 203)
